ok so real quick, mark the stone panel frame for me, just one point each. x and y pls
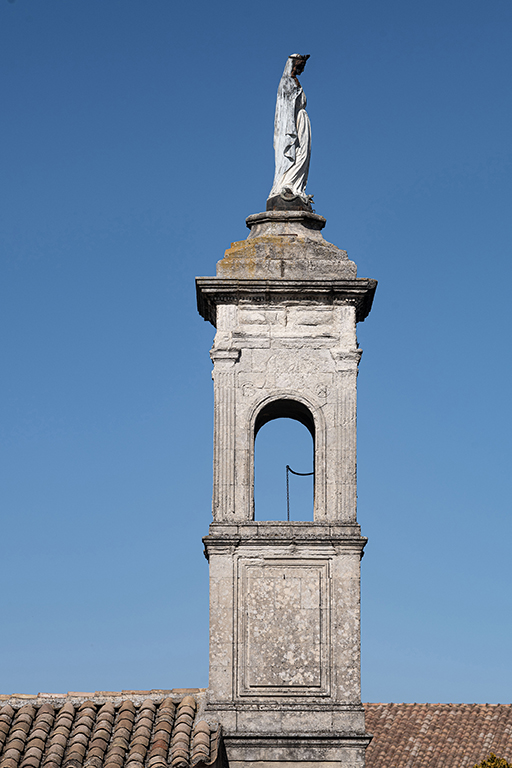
(296, 568)
(319, 446)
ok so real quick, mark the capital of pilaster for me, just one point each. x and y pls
(346, 360)
(229, 354)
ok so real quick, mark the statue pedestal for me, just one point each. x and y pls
(286, 245)
(289, 202)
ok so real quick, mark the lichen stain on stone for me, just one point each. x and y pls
(266, 246)
(252, 256)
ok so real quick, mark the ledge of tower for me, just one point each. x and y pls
(212, 291)
(286, 244)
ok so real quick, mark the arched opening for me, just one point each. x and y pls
(284, 436)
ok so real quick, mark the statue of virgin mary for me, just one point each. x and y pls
(292, 139)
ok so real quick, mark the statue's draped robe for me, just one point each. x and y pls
(292, 136)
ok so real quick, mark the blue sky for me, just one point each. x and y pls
(136, 138)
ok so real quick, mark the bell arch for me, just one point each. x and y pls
(291, 405)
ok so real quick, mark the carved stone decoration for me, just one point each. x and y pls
(292, 141)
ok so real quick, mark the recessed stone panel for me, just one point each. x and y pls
(283, 627)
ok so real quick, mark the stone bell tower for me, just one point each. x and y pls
(285, 596)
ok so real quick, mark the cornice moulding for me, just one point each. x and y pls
(212, 291)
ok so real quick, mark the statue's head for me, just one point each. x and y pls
(299, 62)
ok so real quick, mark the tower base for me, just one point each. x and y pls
(291, 750)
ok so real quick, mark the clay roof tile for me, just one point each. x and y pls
(437, 735)
(156, 732)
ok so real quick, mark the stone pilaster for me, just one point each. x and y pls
(224, 430)
(346, 363)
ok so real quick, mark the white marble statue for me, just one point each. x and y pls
(292, 134)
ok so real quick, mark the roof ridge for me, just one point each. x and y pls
(100, 697)
(123, 692)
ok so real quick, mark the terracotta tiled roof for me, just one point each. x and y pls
(437, 735)
(144, 730)
(166, 729)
